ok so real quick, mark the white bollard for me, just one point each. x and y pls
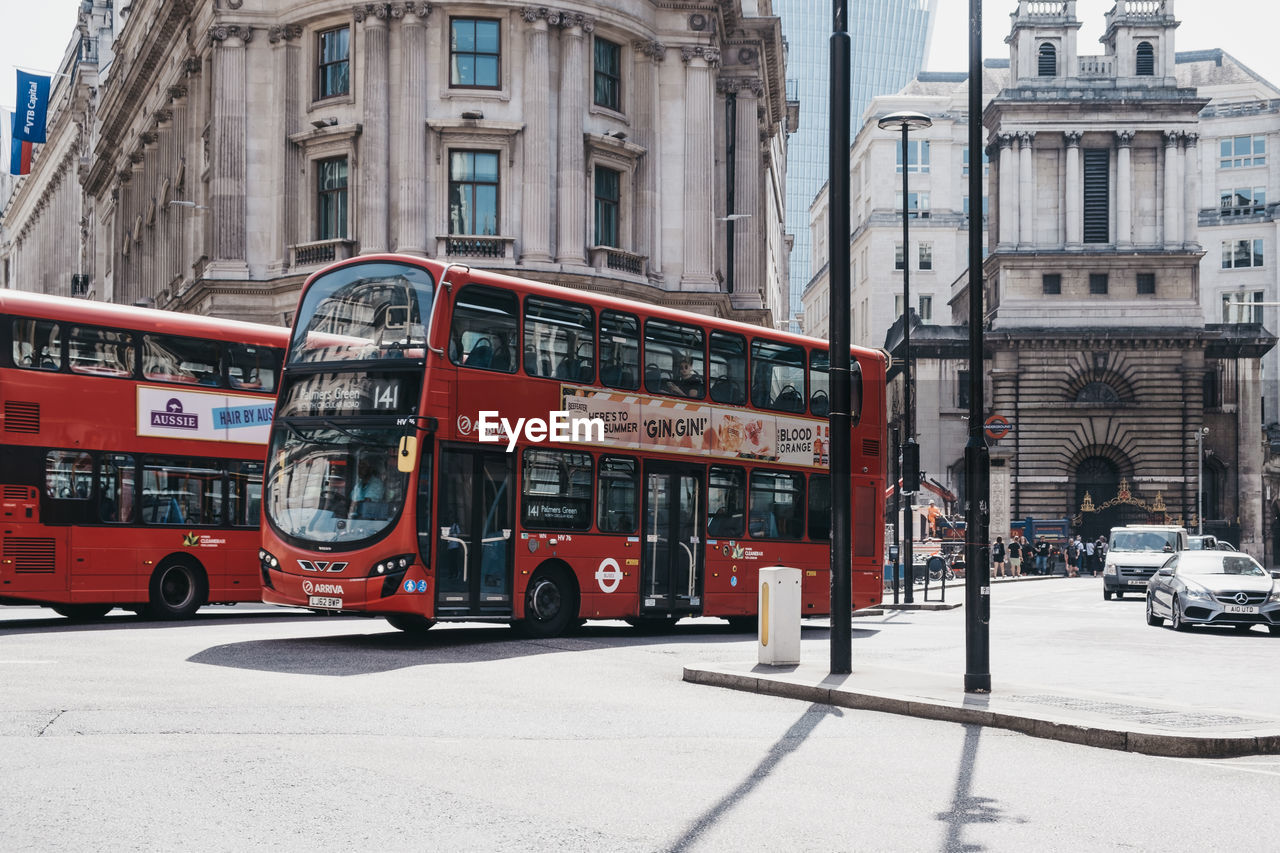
(779, 642)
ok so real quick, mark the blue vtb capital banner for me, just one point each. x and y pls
(32, 108)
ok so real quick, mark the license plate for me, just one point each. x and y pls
(1240, 608)
(325, 602)
(1137, 583)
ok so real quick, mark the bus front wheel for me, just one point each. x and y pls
(410, 623)
(82, 612)
(178, 588)
(550, 603)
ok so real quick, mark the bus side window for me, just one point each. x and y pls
(728, 368)
(726, 502)
(617, 492)
(777, 505)
(116, 489)
(68, 475)
(559, 340)
(820, 507)
(251, 368)
(777, 372)
(187, 361)
(484, 334)
(819, 382)
(619, 350)
(37, 344)
(101, 352)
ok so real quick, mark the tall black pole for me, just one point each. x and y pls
(977, 461)
(909, 452)
(838, 240)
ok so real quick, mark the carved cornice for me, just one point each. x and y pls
(655, 50)
(178, 92)
(378, 11)
(710, 55)
(219, 33)
(418, 10)
(161, 116)
(284, 32)
(728, 85)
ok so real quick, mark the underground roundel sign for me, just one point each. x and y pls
(997, 427)
(609, 575)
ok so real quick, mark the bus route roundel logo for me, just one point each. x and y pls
(307, 588)
(464, 425)
(609, 575)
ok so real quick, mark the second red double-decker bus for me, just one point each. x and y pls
(452, 444)
(131, 455)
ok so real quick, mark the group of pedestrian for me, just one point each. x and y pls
(1078, 555)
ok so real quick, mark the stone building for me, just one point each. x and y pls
(234, 146)
(1118, 243)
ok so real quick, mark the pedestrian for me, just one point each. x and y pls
(1042, 556)
(1015, 557)
(1075, 549)
(1100, 553)
(1089, 552)
(997, 556)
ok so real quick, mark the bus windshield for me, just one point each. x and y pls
(363, 311)
(334, 484)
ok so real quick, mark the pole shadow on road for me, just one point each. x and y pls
(363, 654)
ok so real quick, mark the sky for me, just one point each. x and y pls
(1244, 28)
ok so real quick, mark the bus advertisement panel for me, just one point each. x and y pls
(132, 455)
(452, 444)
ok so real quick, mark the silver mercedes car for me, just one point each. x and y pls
(1214, 588)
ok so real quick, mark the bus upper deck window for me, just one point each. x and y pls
(37, 344)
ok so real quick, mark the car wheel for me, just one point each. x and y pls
(1152, 619)
(1175, 616)
(1119, 595)
(1106, 594)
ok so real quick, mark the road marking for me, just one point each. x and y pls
(7, 662)
(1220, 765)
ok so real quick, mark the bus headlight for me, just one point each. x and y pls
(267, 562)
(398, 564)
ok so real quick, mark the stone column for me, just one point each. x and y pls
(1026, 192)
(1124, 189)
(1172, 193)
(229, 165)
(571, 195)
(371, 178)
(288, 63)
(1191, 184)
(699, 167)
(1249, 443)
(1008, 194)
(411, 131)
(1075, 191)
(535, 236)
(648, 56)
(748, 242)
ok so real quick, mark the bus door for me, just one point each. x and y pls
(671, 540)
(474, 526)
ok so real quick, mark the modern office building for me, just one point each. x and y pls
(890, 39)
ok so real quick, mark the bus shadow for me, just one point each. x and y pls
(117, 621)
(364, 654)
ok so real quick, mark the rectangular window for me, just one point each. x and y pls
(100, 352)
(116, 489)
(917, 156)
(331, 199)
(820, 507)
(559, 340)
(1238, 254)
(897, 258)
(986, 163)
(473, 192)
(475, 51)
(897, 304)
(68, 475)
(483, 334)
(619, 350)
(728, 368)
(777, 505)
(181, 491)
(1097, 195)
(252, 368)
(1243, 201)
(1146, 283)
(777, 376)
(674, 359)
(726, 502)
(608, 75)
(1097, 283)
(37, 344)
(244, 497)
(334, 77)
(926, 256)
(819, 387)
(616, 494)
(1051, 283)
(1240, 152)
(962, 389)
(917, 205)
(188, 361)
(1242, 307)
(556, 489)
(926, 309)
(608, 198)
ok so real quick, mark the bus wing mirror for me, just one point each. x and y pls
(408, 455)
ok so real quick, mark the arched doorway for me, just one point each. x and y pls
(1099, 477)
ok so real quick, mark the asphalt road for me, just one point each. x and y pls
(246, 728)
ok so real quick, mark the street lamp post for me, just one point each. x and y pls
(1200, 434)
(906, 121)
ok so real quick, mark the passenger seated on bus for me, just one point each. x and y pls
(685, 383)
(721, 524)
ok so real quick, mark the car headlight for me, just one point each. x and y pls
(1109, 569)
(1275, 594)
(1199, 592)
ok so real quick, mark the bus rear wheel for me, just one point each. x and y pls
(178, 588)
(550, 603)
(410, 623)
(82, 612)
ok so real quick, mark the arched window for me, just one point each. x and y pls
(1048, 56)
(1146, 59)
(1097, 392)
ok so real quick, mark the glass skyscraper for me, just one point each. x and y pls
(889, 42)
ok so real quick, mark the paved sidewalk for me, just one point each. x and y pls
(1118, 717)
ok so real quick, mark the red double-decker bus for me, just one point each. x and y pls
(452, 444)
(131, 455)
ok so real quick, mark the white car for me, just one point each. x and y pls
(1214, 588)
